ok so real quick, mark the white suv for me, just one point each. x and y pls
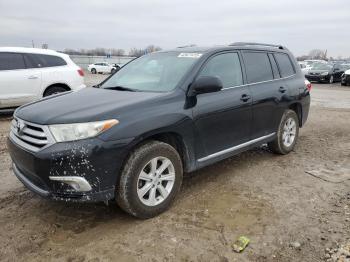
(28, 74)
(102, 68)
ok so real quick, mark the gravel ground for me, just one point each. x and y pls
(287, 214)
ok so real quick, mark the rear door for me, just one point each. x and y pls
(223, 118)
(18, 84)
(267, 90)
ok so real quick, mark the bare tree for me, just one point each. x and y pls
(136, 52)
(117, 52)
(318, 54)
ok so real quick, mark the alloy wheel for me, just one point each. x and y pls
(289, 132)
(156, 181)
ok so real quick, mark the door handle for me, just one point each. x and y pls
(282, 89)
(245, 97)
(33, 77)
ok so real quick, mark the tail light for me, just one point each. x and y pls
(308, 85)
(81, 72)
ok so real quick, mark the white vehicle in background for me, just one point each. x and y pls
(304, 67)
(28, 74)
(103, 67)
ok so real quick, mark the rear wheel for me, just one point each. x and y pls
(54, 90)
(287, 134)
(150, 180)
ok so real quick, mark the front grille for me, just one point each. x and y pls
(30, 136)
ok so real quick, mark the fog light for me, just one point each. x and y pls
(80, 184)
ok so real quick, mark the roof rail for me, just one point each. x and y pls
(256, 44)
(191, 45)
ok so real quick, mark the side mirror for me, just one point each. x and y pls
(205, 84)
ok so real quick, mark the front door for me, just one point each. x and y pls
(223, 118)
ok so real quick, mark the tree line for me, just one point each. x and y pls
(100, 51)
(320, 55)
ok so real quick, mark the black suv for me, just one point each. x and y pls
(132, 137)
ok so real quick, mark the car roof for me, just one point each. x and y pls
(29, 50)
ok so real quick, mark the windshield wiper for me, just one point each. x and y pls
(121, 88)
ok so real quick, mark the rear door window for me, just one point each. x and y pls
(226, 67)
(39, 61)
(284, 64)
(258, 67)
(11, 61)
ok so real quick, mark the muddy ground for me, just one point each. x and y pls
(288, 214)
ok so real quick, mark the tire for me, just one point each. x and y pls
(113, 70)
(93, 71)
(54, 90)
(331, 80)
(280, 145)
(133, 193)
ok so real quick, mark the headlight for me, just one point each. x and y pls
(324, 73)
(71, 132)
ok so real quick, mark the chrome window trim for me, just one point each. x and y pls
(234, 148)
(261, 82)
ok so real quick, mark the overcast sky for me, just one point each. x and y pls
(301, 25)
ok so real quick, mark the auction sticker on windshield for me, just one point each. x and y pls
(190, 55)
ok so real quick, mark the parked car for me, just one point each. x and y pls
(102, 68)
(304, 67)
(163, 114)
(117, 66)
(327, 73)
(310, 62)
(28, 74)
(345, 78)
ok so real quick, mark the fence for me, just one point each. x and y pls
(83, 60)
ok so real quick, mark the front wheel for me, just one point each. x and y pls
(331, 79)
(287, 134)
(150, 180)
(93, 71)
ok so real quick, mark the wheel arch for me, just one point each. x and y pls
(298, 109)
(65, 86)
(175, 140)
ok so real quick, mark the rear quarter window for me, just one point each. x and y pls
(258, 67)
(284, 64)
(11, 61)
(39, 61)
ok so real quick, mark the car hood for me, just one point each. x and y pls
(86, 105)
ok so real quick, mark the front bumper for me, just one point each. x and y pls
(96, 162)
(317, 78)
(345, 79)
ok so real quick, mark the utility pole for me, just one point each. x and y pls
(33, 43)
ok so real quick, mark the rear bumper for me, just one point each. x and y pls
(79, 87)
(94, 163)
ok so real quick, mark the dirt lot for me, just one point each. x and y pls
(288, 214)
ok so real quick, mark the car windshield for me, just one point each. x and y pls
(321, 66)
(156, 72)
